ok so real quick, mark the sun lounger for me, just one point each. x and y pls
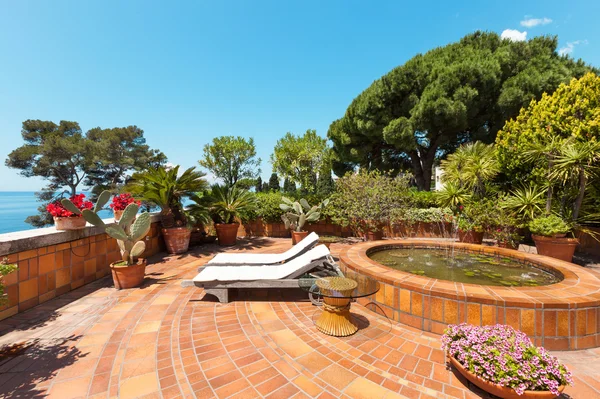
(237, 259)
(217, 280)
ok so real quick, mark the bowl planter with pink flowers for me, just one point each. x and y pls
(69, 219)
(120, 202)
(504, 362)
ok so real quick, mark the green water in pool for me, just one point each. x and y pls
(463, 267)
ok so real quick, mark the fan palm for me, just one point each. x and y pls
(165, 188)
(472, 166)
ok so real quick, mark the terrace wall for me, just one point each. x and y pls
(52, 263)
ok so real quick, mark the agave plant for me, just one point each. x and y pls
(164, 187)
(297, 213)
(127, 232)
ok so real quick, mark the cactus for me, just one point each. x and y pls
(127, 232)
(102, 200)
(299, 212)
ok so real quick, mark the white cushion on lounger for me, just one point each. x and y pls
(265, 259)
(262, 272)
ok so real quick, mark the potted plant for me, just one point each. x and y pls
(550, 236)
(227, 206)
(120, 202)
(504, 362)
(5, 268)
(165, 188)
(473, 219)
(505, 228)
(129, 272)
(297, 214)
(69, 219)
(328, 240)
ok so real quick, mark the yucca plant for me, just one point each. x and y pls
(471, 166)
(165, 188)
(297, 213)
(527, 202)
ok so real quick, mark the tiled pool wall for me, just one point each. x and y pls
(562, 316)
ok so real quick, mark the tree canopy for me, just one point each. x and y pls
(231, 159)
(67, 158)
(274, 182)
(461, 92)
(298, 158)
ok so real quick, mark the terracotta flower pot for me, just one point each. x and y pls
(227, 233)
(374, 235)
(470, 236)
(498, 390)
(556, 247)
(177, 239)
(118, 215)
(128, 276)
(298, 236)
(74, 223)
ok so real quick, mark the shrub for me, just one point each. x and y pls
(549, 226)
(423, 199)
(427, 215)
(5, 269)
(506, 357)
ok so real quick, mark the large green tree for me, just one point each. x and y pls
(436, 101)
(120, 150)
(274, 182)
(231, 159)
(299, 157)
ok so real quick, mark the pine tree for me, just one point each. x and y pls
(289, 186)
(265, 187)
(325, 183)
(274, 183)
(259, 184)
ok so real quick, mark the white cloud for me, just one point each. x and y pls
(570, 47)
(514, 35)
(531, 22)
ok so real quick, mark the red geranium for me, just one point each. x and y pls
(120, 202)
(57, 210)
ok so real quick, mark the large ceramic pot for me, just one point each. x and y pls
(298, 236)
(498, 390)
(227, 233)
(128, 276)
(74, 223)
(470, 236)
(561, 248)
(177, 239)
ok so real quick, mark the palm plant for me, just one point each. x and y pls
(165, 188)
(452, 195)
(526, 202)
(228, 204)
(471, 166)
(549, 151)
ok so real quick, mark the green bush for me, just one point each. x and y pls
(549, 226)
(426, 215)
(423, 199)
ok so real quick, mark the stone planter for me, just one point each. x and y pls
(128, 276)
(561, 248)
(177, 239)
(298, 236)
(74, 223)
(227, 233)
(470, 236)
(498, 390)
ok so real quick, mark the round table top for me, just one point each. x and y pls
(339, 287)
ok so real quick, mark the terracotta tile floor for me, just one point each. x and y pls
(163, 341)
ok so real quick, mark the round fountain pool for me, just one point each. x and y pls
(560, 310)
(464, 267)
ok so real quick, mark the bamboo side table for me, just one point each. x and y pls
(337, 294)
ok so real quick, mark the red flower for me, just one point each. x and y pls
(120, 202)
(56, 209)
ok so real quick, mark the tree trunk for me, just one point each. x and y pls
(422, 166)
(579, 200)
(418, 170)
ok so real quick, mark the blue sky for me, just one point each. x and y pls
(186, 72)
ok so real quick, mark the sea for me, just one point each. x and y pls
(15, 206)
